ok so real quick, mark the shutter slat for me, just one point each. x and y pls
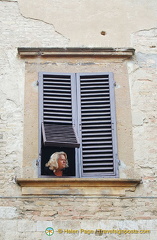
(95, 94)
(53, 101)
(97, 97)
(107, 106)
(96, 101)
(88, 132)
(99, 151)
(93, 85)
(99, 160)
(97, 156)
(98, 164)
(59, 121)
(97, 77)
(96, 116)
(56, 90)
(51, 108)
(56, 78)
(95, 169)
(94, 122)
(59, 113)
(56, 106)
(56, 81)
(56, 93)
(93, 125)
(94, 91)
(95, 82)
(96, 147)
(55, 85)
(56, 98)
(57, 117)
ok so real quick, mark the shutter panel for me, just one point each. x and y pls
(97, 122)
(56, 105)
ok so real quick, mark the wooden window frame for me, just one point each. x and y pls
(76, 123)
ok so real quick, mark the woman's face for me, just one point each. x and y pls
(61, 162)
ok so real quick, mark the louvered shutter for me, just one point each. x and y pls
(56, 117)
(97, 121)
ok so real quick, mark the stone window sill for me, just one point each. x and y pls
(77, 186)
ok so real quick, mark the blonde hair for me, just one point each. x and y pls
(53, 161)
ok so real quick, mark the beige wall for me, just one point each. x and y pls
(81, 22)
(68, 64)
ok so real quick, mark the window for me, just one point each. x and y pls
(77, 115)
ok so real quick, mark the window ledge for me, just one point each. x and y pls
(76, 52)
(77, 186)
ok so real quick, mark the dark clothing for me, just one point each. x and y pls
(51, 173)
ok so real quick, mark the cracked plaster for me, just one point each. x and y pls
(30, 32)
(82, 22)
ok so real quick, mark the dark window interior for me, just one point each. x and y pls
(47, 151)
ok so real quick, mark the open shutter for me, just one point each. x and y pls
(56, 119)
(97, 124)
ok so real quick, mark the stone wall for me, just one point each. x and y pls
(29, 217)
(112, 24)
(143, 86)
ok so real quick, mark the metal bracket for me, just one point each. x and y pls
(37, 162)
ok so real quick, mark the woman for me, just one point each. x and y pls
(57, 163)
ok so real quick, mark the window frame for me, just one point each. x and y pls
(75, 94)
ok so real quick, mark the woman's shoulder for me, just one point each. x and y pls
(48, 171)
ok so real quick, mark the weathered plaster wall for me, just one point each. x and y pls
(16, 31)
(51, 24)
(143, 86)
(82, 22)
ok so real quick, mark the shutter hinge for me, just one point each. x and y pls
(37, 162)
(37, 83)
(115, 84)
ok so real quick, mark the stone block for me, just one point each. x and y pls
(8, 212)
(26, 226)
